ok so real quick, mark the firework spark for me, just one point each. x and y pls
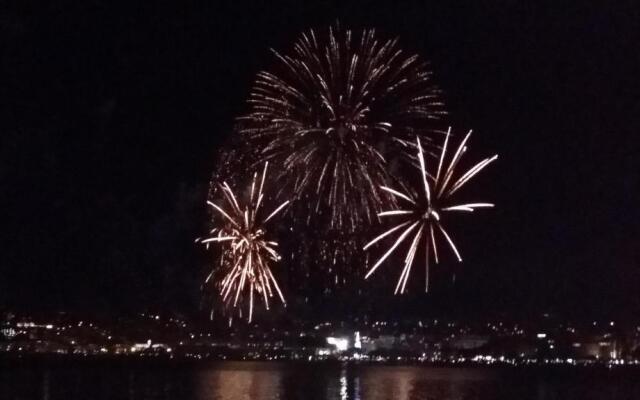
(247, 252)
(331, 113)
(422, 216)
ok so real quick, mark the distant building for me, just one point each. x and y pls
(469, 342)
(385, 342)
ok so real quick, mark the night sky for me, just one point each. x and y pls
(110, 117)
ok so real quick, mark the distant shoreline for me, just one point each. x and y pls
(45, 360)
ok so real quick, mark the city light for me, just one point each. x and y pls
(341, 344)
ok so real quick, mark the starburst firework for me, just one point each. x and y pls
(247, 252)
(423, 212)
(330, 114)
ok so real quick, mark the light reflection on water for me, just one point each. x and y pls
(284, 381)
(239, 383)
(405, 383)
(339, 382)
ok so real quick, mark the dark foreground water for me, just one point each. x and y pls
(257, 380)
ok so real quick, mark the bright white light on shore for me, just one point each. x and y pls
(341, 344)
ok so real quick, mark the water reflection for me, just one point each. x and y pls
(288, 381)
(343, 384)
(348, 382)
(45, 385)
(385, 383)
(356, 388)
(242, 381)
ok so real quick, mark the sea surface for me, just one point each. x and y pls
(270, 380)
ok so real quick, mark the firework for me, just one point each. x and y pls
(423, 211)
(247, 252)
(330, 113)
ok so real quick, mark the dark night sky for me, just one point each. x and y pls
(110, 116)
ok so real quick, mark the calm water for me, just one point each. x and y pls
(255, 380)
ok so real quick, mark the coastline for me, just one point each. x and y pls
(46, 360)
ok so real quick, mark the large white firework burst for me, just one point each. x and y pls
(423, 211)
(330, 112)
(247, 252)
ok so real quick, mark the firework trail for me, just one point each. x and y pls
(247, 252)
(423, 212)
(331, 112)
